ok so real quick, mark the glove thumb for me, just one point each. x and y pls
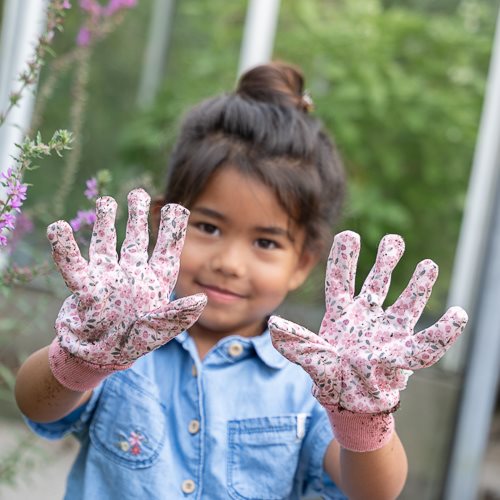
(174, 318)
(295, 342)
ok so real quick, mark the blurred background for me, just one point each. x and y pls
(399, 84)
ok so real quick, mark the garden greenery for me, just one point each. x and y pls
(399, 87)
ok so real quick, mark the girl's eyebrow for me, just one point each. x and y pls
(270, 230)
(209, 212)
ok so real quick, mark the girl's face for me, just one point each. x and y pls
(243, 251)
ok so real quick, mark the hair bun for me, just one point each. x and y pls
(277, 83)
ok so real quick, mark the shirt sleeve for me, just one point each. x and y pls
(75, 422)
(316, 480)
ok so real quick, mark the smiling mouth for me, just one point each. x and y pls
(220, 294)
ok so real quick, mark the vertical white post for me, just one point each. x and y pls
(481, 379)
(259, 32)
(23, 22)
(160, 29)
(477, 287)
(479, 207)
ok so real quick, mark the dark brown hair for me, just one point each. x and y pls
(265, 131)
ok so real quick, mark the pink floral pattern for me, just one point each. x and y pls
(364, 355)
(120, 308)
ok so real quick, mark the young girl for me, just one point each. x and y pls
(214, 410)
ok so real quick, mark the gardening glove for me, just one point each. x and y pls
(363, 355)
(119, 309)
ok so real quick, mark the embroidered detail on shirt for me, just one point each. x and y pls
(132, 443)
(301, 425)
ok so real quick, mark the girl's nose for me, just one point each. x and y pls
(229, 261)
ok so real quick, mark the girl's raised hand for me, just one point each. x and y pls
(119, 309)
(364, 355)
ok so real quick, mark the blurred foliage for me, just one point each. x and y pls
(399, 85)
(401, 90)
(202, 62)
(107, 97)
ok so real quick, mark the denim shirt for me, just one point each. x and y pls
(240, 424)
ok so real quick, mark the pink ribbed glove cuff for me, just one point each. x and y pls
(76, 374)
(360, 431)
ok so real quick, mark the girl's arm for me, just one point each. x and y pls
(379, 474)
(39, 395)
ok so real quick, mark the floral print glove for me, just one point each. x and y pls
(364, 355)
(119, 309)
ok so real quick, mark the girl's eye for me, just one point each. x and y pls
(207, 228)
(266, 244)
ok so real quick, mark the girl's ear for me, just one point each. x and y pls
(155, 212)
(305, 265)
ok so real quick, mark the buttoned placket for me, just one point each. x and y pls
(192, 484)
(232, 350)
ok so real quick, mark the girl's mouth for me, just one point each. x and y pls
(216, 294)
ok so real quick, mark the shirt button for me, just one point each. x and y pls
(235, 349)
(188, 486)
(194, 426)
(194, 371)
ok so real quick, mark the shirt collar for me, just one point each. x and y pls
(266, 351)
(182, 337)
(262, 345)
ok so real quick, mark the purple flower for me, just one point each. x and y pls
(83, 37)
(116, 5)
(91, 6)
(16, 204)
(17, 192)
(66, 4)
(83, 218)
(23, 225)
(7, 220)
(92, 190)
(97, 11)
(7, 175)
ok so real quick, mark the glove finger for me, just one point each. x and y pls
(103, 243)
(410, 304)
(166, 255)
(377, 283)
(66, 255)
(430, 345)
(173, 319)
(134, 251)
(314, 354)
(295, 342)
(341, 272)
